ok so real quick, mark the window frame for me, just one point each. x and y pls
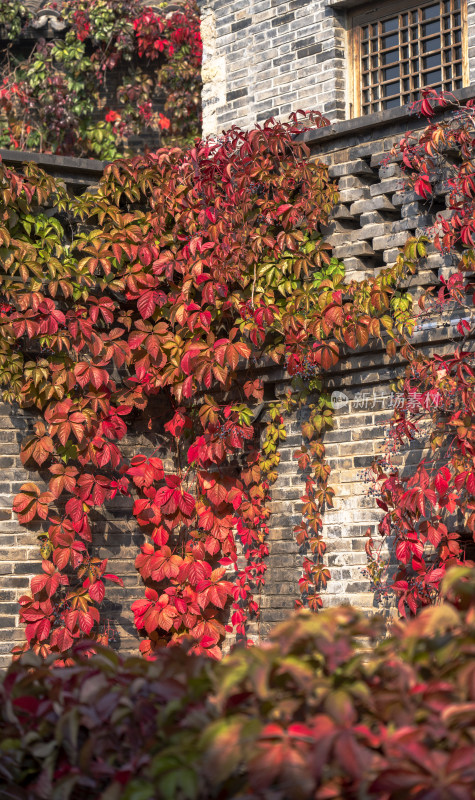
(366, 14)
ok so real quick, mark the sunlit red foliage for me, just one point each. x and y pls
(430, 506)
(185, 269)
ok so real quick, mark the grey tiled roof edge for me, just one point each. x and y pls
(47, 14)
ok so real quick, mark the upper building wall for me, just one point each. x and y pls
(266, 58)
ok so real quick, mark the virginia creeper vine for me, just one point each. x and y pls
(182, 272)
(429, 508)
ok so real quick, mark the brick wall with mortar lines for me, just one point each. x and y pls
(358, 438)
(374, 215)
(350, 449)
(266, 58)
(372, 220)
(116, 536)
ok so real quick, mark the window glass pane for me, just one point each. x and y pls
(391, 73)
(364, 48)
(404, 19)
(457, 36)
(390, 88)
(415, 49)
(390, 56)
(433, 60)
(431, 44)
(364, 32)
(432, 77)
(414, 33)
(415, 81)
(405, 52)
(458, 70)
(389, 41)
(403, 35)
(429, 28)
(456, 19)
(405, 84)
(390, 25)
(448, 72)
(431, 11)
(457, 53)
(393, 102)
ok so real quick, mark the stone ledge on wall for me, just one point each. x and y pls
(77, 173)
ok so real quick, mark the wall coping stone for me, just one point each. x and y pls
(371, 122)
(77, 172)
(47, 160)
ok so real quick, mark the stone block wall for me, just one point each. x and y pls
(374, 216)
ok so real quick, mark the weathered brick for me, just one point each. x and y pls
(353, 249)
(386, 186)
(352, 168)
(389, 241)
(378, 203)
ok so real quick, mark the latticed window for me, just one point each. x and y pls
(400, 48)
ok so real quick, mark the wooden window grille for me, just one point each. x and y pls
(401, 48)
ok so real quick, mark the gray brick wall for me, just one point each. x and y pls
(266, 58)
(115, 537)
(373, 218)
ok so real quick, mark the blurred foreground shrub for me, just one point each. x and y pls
(325, 709)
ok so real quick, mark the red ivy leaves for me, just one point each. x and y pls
(172, 498)
(178, 296)
(31, 503)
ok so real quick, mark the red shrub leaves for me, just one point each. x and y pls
(311, 714)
